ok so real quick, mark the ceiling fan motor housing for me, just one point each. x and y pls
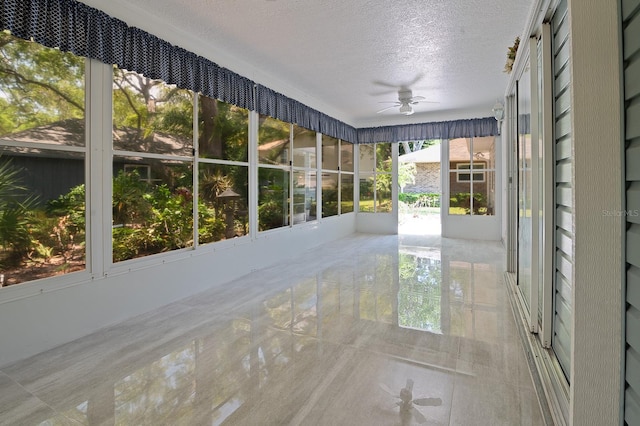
(405, 96)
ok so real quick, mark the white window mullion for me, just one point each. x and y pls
(254, 119)
(290, 169)
(99, 175)
(395, 152)
(318, 170)
(356, 178)
(470, 176)
(195, 169)
(340, 142)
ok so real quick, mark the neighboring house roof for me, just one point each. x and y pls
(427, 155)
(71, 132)
(483, 148)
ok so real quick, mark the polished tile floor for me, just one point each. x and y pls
(368, 330)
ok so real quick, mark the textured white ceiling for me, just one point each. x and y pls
(340, 56)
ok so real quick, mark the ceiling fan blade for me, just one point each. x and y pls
(398, 103)
(418, 98)
(384, 92)
(428, 402)
(423, 102)
(415, 80)
(385, 84)
(387, 108)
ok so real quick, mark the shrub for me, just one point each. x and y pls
(420, 199)
(15, 215)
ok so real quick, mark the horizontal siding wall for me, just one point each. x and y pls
(631, 55)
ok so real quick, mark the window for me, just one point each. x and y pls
(472, 176)
(466, 177)
(346, 177)
(375, 178)
(176, 165)
(305, 169)
(42, 162)
(330, 176)
(337, 176)
(153, 129)
(143, 171)
(273, 173)
(223, 170)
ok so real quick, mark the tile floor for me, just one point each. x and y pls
(368, 330)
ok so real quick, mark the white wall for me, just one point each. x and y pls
(379, 223)
(47, 319)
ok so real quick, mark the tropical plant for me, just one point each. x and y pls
(129, 204)
(15, 213)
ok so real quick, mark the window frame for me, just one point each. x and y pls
(462, 171)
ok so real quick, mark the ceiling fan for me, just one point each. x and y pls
(405, 101)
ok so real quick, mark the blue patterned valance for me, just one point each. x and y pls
(476, 127)
(279, 106)
(85, 31)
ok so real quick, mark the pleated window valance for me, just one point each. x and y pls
(476, 127)
(85, 31)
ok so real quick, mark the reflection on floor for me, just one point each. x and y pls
(369, 330)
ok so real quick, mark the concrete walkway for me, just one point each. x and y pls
(419, 224)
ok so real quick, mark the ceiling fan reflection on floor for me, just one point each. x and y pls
(406, 403)
(405, 101)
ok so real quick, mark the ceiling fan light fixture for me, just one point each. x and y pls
(406, 109)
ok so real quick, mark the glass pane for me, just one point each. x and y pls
(151, 116)
(383, 157)
(42, 191)
(383, 193)
(484, 152)
(459, 152)
(273, 198)
(273, 141)
(304, 196)
(346, 156)
(43, 89)
(223, 130)
(484, 193)
(153, 210)
(346, 193)
(367, 188)
(304, 147)
(367, 158)
(525, 187)
(330, 194)
(222, 207)
(329, 153)
(460, 193)
(42, 215)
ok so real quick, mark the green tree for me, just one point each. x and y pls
(407, 147)
(406, 174)
(38, 85)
